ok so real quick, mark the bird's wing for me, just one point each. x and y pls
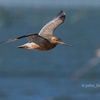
(50, 27)
(31, 37)
(35, 38)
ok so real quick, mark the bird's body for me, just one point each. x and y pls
(44, 40)
(42, 46)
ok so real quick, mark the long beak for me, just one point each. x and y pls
(65, 44)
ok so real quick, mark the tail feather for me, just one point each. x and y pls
(20, 47)
(23, 47)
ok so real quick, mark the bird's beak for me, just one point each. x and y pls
(65, 44)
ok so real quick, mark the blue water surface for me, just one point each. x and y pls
(48, 75)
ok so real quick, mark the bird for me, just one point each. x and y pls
(44, 40)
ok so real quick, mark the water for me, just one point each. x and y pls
(37, 75)
(51, 3)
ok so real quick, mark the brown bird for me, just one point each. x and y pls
(44, 40)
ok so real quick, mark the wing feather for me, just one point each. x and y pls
(31, 37)
(49, 28)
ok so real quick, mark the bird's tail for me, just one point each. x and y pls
(23, 47)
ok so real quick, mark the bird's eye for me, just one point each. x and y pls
(56, 40)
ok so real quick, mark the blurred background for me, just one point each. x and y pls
(63, 73)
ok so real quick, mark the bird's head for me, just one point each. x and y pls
(56, 40)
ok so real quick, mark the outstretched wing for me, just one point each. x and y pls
(31, 37)
(49, 28)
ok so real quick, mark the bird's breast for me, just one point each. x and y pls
(42, 46)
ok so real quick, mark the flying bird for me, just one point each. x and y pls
(44, 40)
